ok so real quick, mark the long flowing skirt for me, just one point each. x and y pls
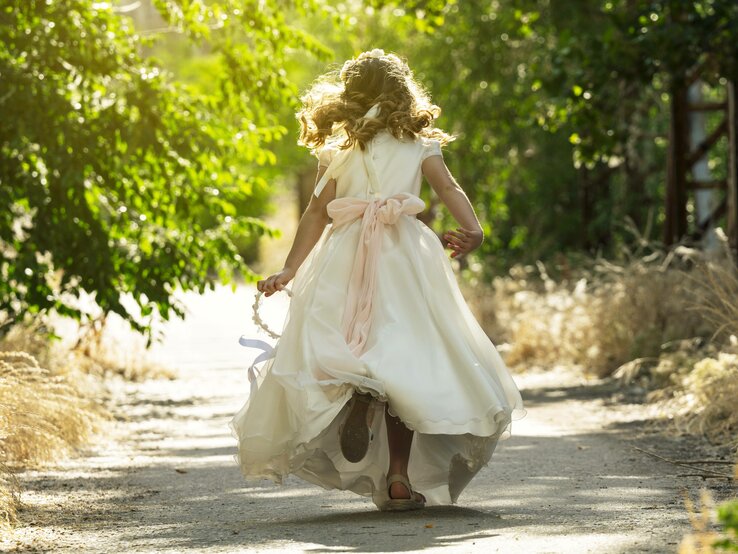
(426, 358)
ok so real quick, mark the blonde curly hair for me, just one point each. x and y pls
(336, 103)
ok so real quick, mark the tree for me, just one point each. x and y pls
(560, 109)
(115, 177)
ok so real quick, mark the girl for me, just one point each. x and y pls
(377, 323)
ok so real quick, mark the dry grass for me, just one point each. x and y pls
(96, 356)
(42, 416)
(665, 319)
(705, 400)
(50, 398)
(702, 538)
(600, 317)
(714, 287)
(702, 385)
(9, 497)
(694, 387)
(104, 353)
(714, 528)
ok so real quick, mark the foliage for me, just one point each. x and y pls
(130, 166)
(117, 178)
(727, 514)
(561, 109)
(703, 538)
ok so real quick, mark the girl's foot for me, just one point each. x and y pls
(399, 489)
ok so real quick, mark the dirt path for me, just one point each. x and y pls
(568, 481)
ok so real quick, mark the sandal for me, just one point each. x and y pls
(400, 504)
(355, 432)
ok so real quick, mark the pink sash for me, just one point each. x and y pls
(375, 214)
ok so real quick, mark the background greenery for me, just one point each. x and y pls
(140, 144)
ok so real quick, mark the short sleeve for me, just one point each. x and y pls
(325, 155)
(334, 159)
(431, 147)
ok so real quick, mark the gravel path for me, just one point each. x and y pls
(568, 480)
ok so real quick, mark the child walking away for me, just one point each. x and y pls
(382, 382)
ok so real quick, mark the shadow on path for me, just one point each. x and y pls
(568, 480)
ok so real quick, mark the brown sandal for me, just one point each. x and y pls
(400, 504)
(355, 432)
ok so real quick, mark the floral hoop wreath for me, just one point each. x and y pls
(257, 318)
(267, 350)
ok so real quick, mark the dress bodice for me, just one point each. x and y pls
(387, 166)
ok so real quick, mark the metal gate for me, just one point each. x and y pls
(682, 157)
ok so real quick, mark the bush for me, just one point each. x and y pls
(601, 316)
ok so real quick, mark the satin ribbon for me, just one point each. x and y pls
(375, 214)
(267, 353)
(372, 112)
(341, 157)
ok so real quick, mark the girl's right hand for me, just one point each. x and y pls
(275, 282)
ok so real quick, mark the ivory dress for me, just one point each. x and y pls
(376, 307)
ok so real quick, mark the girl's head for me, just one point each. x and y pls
(337, 103)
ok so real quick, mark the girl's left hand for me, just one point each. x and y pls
(462, 241)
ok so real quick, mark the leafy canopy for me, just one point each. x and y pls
(115, 177)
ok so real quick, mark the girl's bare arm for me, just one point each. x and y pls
(469, 235)
(311, 226)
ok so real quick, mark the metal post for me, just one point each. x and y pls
(732, 185)
(705, 199)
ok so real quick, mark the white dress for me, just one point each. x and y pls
(417, 347)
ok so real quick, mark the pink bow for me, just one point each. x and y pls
(376, 214)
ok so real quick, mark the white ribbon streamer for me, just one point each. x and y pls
(268, 351)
